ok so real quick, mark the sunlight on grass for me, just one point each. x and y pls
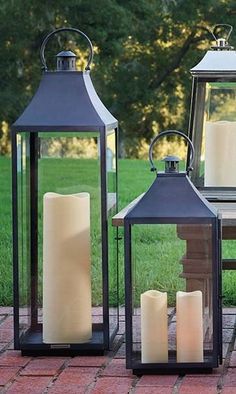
(134, 178)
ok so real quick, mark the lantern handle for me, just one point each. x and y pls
(171, 132)
(213, 32)
(46, 39)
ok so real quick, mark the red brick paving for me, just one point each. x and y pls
(29, 385)
(13, 358)
(227, 335)
(230, 378)
(197, 390)
(7, 323)
(97, 361)
(6, 335)
(6, 310)
(43, 366)
(112, 385)
(76, 375)
(105, 374)
(68, 389)
(117, 368)
(229, 390)
(205, 380)
(153, 390)
(232, 362)
(157, 380)
(2, 345)
(7, 373)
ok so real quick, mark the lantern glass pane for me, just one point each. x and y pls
(170, 328)
(67, 164)
(214, 135)
(23, 228)
(112, 231)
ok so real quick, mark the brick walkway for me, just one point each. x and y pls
(106, 374)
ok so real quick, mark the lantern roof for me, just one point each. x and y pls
(66, 54)
(172, 198)
(216, 62)
(221, 59)
(65, 100)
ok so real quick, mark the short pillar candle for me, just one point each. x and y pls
(67, 311)
(189, 326)
(154, 327)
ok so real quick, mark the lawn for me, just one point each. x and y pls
(134, 178)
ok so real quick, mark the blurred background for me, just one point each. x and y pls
(143, 52)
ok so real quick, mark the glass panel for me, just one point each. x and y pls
(197, 175)
(68, 236)
(23, 228)
(112, 231)
(215, 135)
(229, 275)
(175, 326)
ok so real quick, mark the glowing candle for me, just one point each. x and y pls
(67, 316)
(220, 154)
(154, 327)
(189, 326)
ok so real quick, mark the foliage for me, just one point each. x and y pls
(143, 52)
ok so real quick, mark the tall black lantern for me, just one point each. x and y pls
(64, 155)
(212, 126)
(172, 276)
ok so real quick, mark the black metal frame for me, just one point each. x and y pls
(140, 368)
(65, 101)
(187, 207)
(26, 343)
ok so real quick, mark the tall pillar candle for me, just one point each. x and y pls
(220, 154)
(189, 326)
(67, 311)
(154, 327)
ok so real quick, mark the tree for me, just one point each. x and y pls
(144, 50)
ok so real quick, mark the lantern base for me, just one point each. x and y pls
(172, 366)
(31, 344)
(170, 371)
(62, 352)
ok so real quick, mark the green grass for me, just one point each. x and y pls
(5, 233)
(134, 178)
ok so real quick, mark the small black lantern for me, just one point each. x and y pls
(64, 156)
(172, 276)
(212, 126)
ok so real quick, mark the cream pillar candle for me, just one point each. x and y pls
(154, 327)
(189, 326)
(220, 154)
(67, 313)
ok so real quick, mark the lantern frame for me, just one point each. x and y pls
(65, 102)
(156, 208)
(217, 66)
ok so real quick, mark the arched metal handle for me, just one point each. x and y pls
(214, 34)
(171, 132)
(45, 41)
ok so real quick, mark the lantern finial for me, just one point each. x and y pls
(66, 61)
(171, 164)
(221, 43)
(63, 29)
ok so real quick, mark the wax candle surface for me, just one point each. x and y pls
(220, 154)
(189, 326)
(67, 316)
(154, 327)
